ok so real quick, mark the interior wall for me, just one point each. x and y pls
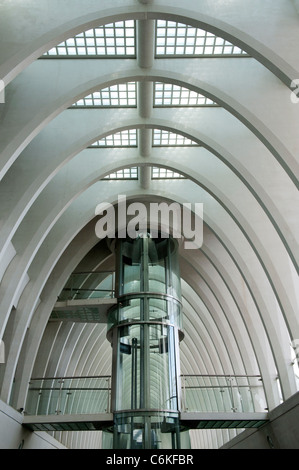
(14, 436)
(282, 432)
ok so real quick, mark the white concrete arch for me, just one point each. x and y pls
(74, 252)
(277, 135)
(261, 327)
(12, 212)
(285, 230)
(210, 308)
(37, 270)
(91, 267)
(240, 289)
(228, 326)
(255, 40)
(236, 316)
(51, 202)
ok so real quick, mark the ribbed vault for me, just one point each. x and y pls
(240, 288)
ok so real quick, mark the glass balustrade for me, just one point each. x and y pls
(68, 395)
(89, 285)
(223, 393)
(200, 393)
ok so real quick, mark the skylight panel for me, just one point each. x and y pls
(176, 39)
(164, 173)
(124, 174)
(126, 138)
(114, 39)
(162, 138)
(167, 94)
(121, 95)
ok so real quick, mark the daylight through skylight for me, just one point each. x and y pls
(126, 173)
(121, 95)
(164, 173)
(127, 138)
(125, 95)
(181, 39)
(167, 94)
(119, 40)
(113, 39)
(163, 138)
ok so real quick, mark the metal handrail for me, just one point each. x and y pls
(228, 385)
(72, 377)
(90, 275)
(221, 375)
(65, 385)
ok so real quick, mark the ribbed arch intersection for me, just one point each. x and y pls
(240, 288)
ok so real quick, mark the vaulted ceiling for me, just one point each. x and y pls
(155, 101)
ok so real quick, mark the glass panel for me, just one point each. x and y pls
(174, 313)
(128, 368)
(131, 266)
(120, 95)
(174, 287)
(131, 311)
(114, 39)
(150, 265)
(150, 431)
(68, 396)
(88, 285)
(164, 173)
(224, 393)
(159, 368)
(156, 277)
(164, 138)
(181, 39)
(158, 309)
(132, 278)
(125, 174)
(168, 94)
(146, 355)
(127, 138)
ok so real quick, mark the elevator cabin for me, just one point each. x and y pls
(145, 329)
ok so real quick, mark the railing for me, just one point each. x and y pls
(89, 285)
(212, 393)
(69, 395)
(92, 394)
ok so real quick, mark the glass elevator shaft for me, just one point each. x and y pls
(145, 330)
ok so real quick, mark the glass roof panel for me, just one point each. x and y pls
(162, 138)
(174, 39)
(121, 95)
(119, 40)
(132, 173)
(168, 94)
(114, 39)
(127, 138)
(124, 174)
(164, 173)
